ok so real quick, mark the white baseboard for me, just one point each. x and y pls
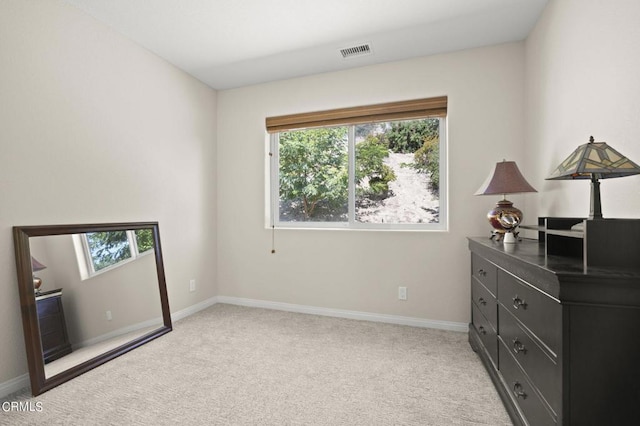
(341, 313)
(176, 316)
(14, 385)
(183, 313)
(116, 333)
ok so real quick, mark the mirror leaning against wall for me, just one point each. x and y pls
(88, 294)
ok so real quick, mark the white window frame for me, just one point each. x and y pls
(87, 268)
(351, 223)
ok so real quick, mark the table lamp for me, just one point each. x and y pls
(594, 161)
(35, 267)
(505, 178)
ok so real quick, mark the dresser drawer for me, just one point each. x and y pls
(53, 338)
(538, 312)
(49, 324)
(485, 301)
(522, 391)
(485, 271)
(541, 366)
(48, 306)
(487, 333)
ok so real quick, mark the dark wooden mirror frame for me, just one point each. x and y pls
(21, 234)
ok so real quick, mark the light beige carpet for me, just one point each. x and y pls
(247, 366)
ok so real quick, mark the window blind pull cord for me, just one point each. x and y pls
(273, 224)
(273, 239)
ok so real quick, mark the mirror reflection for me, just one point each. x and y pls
(94, 291)
(88, 294)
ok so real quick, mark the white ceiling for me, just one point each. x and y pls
(233, 43)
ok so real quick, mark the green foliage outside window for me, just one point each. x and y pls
(144, 239)
(427, 160)
(108, 248)
(313, 167)
(409, 136)
(370, 167)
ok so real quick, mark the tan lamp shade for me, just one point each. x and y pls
(505, 178)
(36, 266)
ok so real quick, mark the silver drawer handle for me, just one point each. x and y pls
(481, 330)
(519, 303)
(518, 347)
(518, 391)
(482, 272)
(482, 301)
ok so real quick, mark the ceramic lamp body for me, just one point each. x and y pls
(37, 282)
(504, 217)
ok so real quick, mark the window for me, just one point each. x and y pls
(379, 166)
(108, 249)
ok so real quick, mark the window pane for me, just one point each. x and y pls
(397, 172)
(108, 248)
(313, 175)
(144, 240)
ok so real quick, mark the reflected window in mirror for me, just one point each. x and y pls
(99, 252)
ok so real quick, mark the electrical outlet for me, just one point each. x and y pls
(108, 315)
(192, 285)
(402, 293)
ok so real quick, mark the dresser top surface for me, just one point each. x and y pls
(48, 294)
(561, 277)
(532, 252)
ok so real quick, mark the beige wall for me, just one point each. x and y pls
(582, 67)
(361, 270)
(95, 129)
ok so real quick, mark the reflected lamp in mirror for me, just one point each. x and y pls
(505, 178)
(35, 267)
(594, 161)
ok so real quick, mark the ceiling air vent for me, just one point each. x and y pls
(361, 50)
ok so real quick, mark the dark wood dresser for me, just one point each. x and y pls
(53, 328)
(557, 326)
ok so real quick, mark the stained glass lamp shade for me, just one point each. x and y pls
(594, 161)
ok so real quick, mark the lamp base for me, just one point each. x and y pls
(504, 236)
(595, 208)
(510, 238)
